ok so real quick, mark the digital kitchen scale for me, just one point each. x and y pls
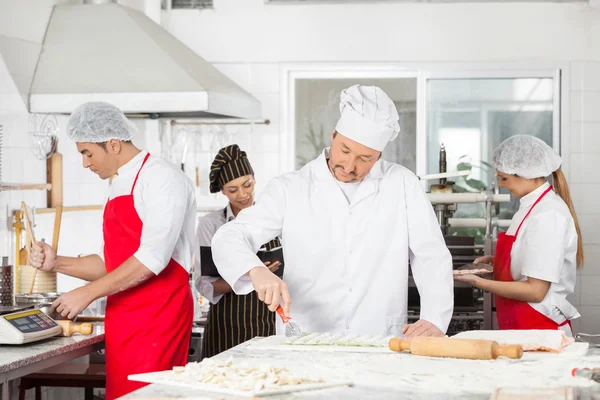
(27, 326)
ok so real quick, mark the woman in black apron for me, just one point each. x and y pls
(232, 319)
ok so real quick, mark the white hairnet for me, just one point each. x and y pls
(526, 156)
(97, 122)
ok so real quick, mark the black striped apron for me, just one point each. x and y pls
(236, 319)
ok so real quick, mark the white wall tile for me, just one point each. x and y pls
(589, 223)
(264, 78)
(577, 72)
(575, 297)
(590, 106)
(270, 110)
(590, 137)
(575, 190)
(592, 260)
(34, 168)
(591, 76)
(590, 319)
(590, 197)
(239, 73)
(590, 293)
(575, 137)
(576, 109)
(584, 168)
(93, 194)
(15, 126)
(12, 165)
(264, 140)
(71, 194)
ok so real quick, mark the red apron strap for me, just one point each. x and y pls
(529, 212)
(138, 173)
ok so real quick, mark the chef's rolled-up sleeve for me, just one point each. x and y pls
(165, 205)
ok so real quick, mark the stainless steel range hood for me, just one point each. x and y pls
(108, 52)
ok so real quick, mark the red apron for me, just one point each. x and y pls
(148, 326)
(514, 314)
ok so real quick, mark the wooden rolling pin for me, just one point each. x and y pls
(69, 327)
(456, 348)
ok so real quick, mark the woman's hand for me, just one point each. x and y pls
(485, 260)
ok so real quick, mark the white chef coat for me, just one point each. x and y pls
(546, 249)
(165, 201)
(346, 263)
(207, 226)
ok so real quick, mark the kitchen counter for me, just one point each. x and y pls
(387, 376)
(20, 360)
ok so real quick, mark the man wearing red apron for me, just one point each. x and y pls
(148, 231)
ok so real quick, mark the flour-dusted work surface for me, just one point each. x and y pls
(402, 375)
(323, 343)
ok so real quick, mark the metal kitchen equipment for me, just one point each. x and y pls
(27, 326)
(6, 283)
(41, 301)
(473, 308)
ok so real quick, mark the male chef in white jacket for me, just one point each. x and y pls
(349, 224)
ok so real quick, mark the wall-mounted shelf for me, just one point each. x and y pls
(4, 186)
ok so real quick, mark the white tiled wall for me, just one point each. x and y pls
(585, 183)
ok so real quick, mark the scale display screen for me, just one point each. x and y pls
(30, 321)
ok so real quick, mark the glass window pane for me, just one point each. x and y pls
(471, 117)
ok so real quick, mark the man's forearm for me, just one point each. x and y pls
(127, 275)
(89, 268)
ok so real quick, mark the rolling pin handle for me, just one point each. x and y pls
(514, 351)
(397, 344)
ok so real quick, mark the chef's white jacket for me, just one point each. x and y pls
(346, 265)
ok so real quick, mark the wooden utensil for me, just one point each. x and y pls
(54, 177)
(69, 327)
(456, 348)
(56, 233)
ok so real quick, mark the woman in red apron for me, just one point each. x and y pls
(536, 259)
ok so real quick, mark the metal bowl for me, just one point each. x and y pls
(41, 301)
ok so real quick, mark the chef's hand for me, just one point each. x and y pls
(270, 289)
(70, 304)
(421, 328)
(485, 260)
(471, 279)
(272, 266)
(42, 256)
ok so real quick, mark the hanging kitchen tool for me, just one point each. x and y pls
(180, 147)
(43, 135)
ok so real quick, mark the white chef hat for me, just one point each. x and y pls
(97, 122)
(526, 156)
(368, 116)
